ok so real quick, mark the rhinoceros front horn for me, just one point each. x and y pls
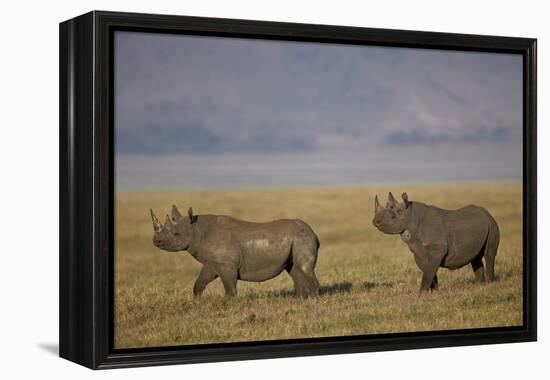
(156, 223)
(377, 207)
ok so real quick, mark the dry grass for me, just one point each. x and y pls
(369, 280)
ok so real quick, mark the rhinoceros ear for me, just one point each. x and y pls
(156, 223)
(191, 216)
(176, 216)
(391, 201)
(405, 198)
(377, 207)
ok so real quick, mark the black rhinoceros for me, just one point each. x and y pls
(234, 250)
(442, 238)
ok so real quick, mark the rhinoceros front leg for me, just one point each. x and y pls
(434, 283)
(206, 276)
(429, 279)
(428, 258)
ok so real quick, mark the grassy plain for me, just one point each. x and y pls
(369, 280)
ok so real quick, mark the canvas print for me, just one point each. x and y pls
(269, 190)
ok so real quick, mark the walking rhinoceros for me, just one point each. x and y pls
(234, 250)
(441, 238)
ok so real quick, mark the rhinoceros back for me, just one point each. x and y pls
(266, 249)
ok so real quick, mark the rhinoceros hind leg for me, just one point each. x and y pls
(490, 261)
(313, 285)
(298, 280)
(302, 268)
(491, 247)
(479, 271)
(305, 285)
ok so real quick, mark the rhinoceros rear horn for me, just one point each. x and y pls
(377, 207)
(156, 223)
(176, 216)
(391, 201)
(168, 223)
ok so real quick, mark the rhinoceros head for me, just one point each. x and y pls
(393, 218)
(174, 235)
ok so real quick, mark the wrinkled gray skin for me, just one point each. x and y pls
(234, 250)
(442, 238)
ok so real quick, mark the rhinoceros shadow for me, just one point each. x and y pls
(336, 288)
(368, 286)
(497, 278)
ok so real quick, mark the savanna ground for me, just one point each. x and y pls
(369, 280)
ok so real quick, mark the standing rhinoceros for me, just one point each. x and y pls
(234, 250)
(441, 238)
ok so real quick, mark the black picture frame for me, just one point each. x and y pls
(86, 189)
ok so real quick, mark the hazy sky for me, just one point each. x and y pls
(207, 97)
